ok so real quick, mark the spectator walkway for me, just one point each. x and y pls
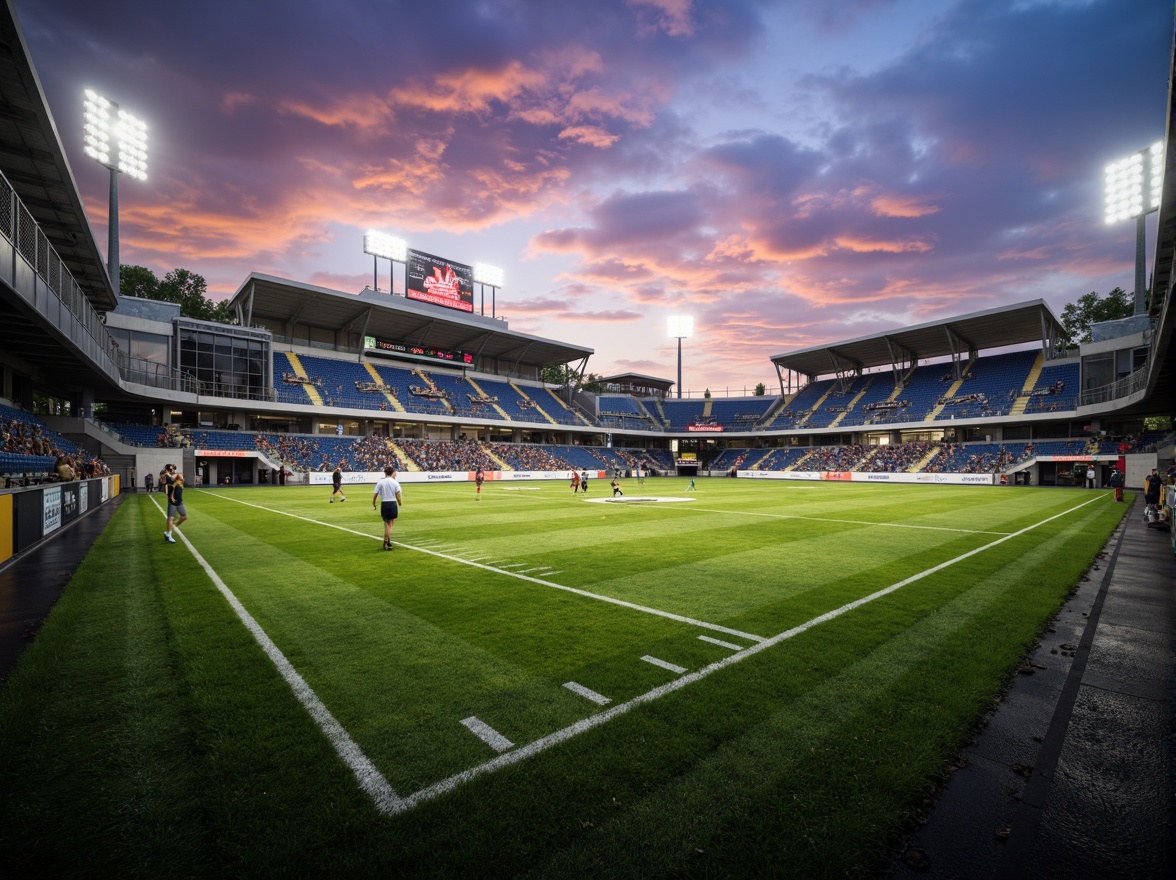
(31, 584)
(1071, 776)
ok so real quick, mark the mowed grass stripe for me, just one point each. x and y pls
(878, 702)
(561, 736)
(273, 799)
(400, 681)
(519, 575)
(369, 778)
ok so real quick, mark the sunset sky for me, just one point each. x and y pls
(789, 173)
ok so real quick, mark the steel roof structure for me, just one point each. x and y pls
(995, 328)
(395, 318)
(34, 163)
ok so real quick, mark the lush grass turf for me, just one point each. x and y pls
(145, 733)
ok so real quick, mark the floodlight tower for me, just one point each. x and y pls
(681, 327)
(392, 249)
(492, 277)
(1133, 190)
(104, 121)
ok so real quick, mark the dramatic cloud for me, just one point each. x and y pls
(791, 174)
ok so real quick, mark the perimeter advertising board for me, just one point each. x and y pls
(440, 282)
(867, 477)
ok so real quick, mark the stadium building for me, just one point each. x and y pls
(129, 381)
(308, 378)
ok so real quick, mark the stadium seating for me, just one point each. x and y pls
(1056, 389)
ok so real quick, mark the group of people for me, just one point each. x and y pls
(20, 436)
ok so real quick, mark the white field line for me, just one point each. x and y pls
(669, 615)
(370, 779)
(487, 734)
(852, 522)
(720, 642)
(587, 693)
(553, 739)
(665, 664)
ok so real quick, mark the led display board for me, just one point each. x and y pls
(440, 282)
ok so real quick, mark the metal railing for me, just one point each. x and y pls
(22, 231)
(1125, 387)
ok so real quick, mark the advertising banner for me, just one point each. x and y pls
(866, 477)
(50, 510)
(440, 282)
(323, 478)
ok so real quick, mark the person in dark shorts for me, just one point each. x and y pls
(616, 487)
(388, 495)
(479, 476)
(337, 483)
(177, 513)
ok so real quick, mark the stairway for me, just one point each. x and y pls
(379, 380)
(478, 389)
(801, 460)
(924, 461)
(307, 385)
(955, 386)
(424, 377)
(852, 404)
(1023, 398)
(536, 406)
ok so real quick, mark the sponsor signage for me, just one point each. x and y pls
(371, 343)
(323, 478)
(866, 477)
(224, 453)
(440, 282)
(705, 429)
(51, 510)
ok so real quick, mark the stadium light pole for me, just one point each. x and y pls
(103, 122)
(681, 327)
(1133, 188)
(492, 277)
(390, 248)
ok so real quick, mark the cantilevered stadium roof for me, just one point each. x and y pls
(34, 163)
(995, 328)
(395, 318)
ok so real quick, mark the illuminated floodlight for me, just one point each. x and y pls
(1133, 184)
(104, 122)
(1133, 188)
(489, 275)
(681, 327)
(97, 127)
(385, 246)
(132, 145)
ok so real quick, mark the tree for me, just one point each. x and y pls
(183, 287)
(761, 390)
(1090, 308)
(559, 374)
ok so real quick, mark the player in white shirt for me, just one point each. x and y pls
(388, 494)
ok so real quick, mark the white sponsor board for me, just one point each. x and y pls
(323, 478)
(51, 510)
(866, 477)
(83, 498)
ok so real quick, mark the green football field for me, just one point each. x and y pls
(754, 677)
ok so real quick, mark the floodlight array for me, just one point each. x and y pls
(132, 146)
(388, 247)
(681, 327)
(1134, 184)
(130, 132)
(97, 127)
(489, 275)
